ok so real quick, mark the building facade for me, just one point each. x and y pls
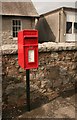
(61, 24)
(16, 16)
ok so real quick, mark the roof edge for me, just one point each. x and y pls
(58, 9)
(19, 15)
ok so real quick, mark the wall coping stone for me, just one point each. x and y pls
(44, 47)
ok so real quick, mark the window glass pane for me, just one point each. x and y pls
(14, 22)
(13, 34)
(69, 27)
(19, 23)
(16, 27)
(75, 27)
(16, 34)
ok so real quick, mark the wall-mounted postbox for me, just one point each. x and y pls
(28, 49)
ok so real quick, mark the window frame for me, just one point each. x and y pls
(72, 27)
(15, 38)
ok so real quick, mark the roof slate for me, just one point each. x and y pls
(18, 9)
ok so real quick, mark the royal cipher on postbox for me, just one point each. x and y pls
(28, 49)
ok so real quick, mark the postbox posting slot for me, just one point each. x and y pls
(31, 46)
(28, 36)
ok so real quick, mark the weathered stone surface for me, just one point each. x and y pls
(57, 67)
(21, 70)
(43, 84)
(57, 71)
(45, 47)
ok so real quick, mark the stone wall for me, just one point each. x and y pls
(57, 65)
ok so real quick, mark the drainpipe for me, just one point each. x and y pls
(36, 20)
(59, 24)
(64, 24)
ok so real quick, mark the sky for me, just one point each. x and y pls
(43, 6)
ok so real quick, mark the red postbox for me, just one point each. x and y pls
(28, 49)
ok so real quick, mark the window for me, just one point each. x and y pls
(75, 27)
(69, 27)
(16, 26)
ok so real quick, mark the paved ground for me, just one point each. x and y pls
(43, 105)
(61, 107)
